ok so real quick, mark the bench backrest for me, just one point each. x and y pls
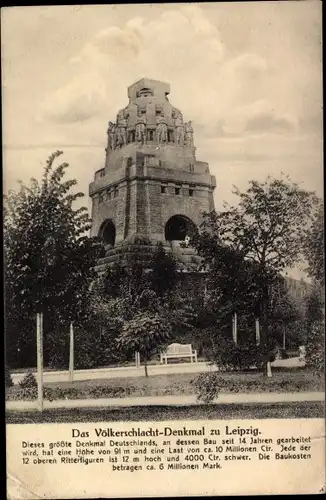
(179, 349)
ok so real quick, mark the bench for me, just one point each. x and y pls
(175, 351)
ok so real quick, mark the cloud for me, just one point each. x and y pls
(78, 101)
(267, 122)
(256, 119)
(112, 43)
(175, 46)
(226, 93)
(249, 63)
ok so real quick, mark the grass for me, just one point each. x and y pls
(176, 384)
(161, 413)
(123, 364)
(292, 380)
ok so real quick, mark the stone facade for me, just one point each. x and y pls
(152, 187)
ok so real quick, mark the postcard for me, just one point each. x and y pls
(164, 250)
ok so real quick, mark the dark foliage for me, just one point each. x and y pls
(28, 382)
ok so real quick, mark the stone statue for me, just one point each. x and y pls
(141, 130)
(121, 129)
(161, 130)
(179, 130)
(189, 135)
(112, 135)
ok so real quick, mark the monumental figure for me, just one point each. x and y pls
(189, 134)
(141, 130)
(121, 129)
(161, 130)
(179, 130)
(112, 135)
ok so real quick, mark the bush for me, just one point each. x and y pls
(54, 393)
(315, 348)
(17, 393)
(206, 387)
(94, 350)
(8, 379)
(28, 382)
(228, 356)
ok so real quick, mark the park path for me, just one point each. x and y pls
(133, 371)
(117, 372)
(257, 398)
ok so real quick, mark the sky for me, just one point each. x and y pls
(248, 75)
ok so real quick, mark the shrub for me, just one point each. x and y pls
(8, 379)
(141, 240)
(206, 386)
(17, 393)
(315, 348)
(228, 356)
(94, 350)
(108, 392)
(28, 382)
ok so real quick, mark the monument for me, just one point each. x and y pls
(151, 188)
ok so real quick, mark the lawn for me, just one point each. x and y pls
(292, 380)
(161, 413)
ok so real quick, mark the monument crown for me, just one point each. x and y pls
(147, 87)
(149, 119)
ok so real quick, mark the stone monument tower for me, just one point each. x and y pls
(152, 188)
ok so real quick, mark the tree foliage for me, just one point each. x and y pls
(143, 303)
(266, 225)
(147, 332)
(315, 329)
(163, 272)
(245, 247)
(314, 243)
(48, 255)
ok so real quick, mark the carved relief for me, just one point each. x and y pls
(121, 129)
(175, 113)
(179, 130)
(161, 130)
(119, 134)
(141, 130)
(189, 135)
(111, 135)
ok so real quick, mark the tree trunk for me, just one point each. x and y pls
(39, 343)
(265, 333)
(284, 338)
(145, 366)
(71, 353)
(257, 330)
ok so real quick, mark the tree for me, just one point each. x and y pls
(314, 243)
(143, 301)
(48, 256)
(315, 303)
(264, 229)
(284, 314)
(163, 272)
(147, 332)
(315, 330)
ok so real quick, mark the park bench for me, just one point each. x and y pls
(176, 351)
